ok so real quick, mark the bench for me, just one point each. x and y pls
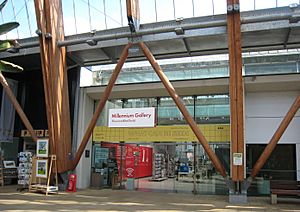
(284, 188)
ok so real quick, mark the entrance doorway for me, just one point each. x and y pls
(181, 167)
(184, 167)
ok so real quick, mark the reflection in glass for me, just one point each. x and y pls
(168, 112)
(212, 109)
(280, 166)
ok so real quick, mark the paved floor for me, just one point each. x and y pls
(91, 200)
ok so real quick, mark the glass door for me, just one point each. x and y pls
(207, 179)
(185, 159)
(157, 167)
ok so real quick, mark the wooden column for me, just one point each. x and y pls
(101, 105)
(50, 25)
(277, 135)
(133, 14)
(171, 90)
(41, 20)
(236, 89)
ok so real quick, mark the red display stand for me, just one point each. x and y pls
(137, 159)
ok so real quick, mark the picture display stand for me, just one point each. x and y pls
(44, 170)
(40, 183)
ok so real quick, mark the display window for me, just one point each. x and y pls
(167, 157)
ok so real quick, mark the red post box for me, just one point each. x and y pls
(72, 183)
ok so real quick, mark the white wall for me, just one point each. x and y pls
(263, 114)
(83, 170)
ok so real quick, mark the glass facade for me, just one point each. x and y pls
(184, 166)
(172, 166)
(212, 109)
(272, 68)
(252, 66)
(280, 166)
(168, 112)
(184, 71)
(205, 109)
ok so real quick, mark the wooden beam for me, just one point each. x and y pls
(275, 138)
(232, 90)
(50, 23)
(17, 106)
(133, 14)
(171, 90)
(41, 22)
(236, 89)
(240, 92)
(101, 105)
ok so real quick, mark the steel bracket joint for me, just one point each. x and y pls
(233, 8)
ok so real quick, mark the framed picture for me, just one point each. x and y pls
(9, 164)
(41, 168)
(42, 147)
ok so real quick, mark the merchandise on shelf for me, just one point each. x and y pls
(24, 169)
(159, 167)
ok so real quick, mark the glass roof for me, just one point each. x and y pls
(87, 15)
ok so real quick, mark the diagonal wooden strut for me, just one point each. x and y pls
(183, 109)
(101, 105)
(277, 135)
(17, 107)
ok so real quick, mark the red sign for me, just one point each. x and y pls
(137, 160)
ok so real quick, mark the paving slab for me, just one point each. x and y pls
(93, 200)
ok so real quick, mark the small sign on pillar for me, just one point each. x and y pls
(237, 159)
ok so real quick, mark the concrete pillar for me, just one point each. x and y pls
(83, 170)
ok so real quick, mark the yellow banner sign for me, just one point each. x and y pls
(182, 133)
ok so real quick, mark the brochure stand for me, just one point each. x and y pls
(41, 179)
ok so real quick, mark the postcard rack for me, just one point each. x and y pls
(41, 179)
(24, 170)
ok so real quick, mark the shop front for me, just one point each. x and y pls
(164, 158)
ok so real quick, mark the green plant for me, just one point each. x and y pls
(6, 45)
